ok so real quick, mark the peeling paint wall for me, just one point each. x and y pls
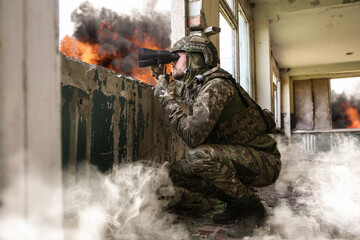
(108, 119)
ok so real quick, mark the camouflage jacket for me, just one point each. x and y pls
(195, 111)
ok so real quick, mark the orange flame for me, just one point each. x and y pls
(93, 53)
(352, 115)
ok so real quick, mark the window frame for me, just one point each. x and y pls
(249, 75)
(232, 18)
(226, 11)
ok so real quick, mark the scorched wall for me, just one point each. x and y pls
(109, 119)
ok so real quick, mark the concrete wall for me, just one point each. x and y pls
(211, 10)
(178, 11)
(108, 119)
(195, 14)
(324, 141)
(30, 152)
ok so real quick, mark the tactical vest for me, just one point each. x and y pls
(243, 126)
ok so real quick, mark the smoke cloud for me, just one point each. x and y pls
(120, 33)
(127, 204)
(124, 205)
(319, 195)
(318, 198)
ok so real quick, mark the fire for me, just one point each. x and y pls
(114, 59)
(352, 115)
(83, 51)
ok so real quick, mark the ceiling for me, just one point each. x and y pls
(312, 35)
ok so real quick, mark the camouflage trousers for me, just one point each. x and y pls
(225, 171)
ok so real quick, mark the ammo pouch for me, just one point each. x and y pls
(241, 128)
(246, 125)
(270, 121)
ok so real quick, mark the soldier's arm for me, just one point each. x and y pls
(180, 87)
(207, 107)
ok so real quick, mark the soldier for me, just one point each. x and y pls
(231, 151)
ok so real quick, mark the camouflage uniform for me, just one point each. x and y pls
(213, 168)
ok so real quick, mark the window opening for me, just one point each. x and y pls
(277, 101)
(345, 102)
(244, 53)
(227, 61)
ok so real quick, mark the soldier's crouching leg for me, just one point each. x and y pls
(182, 174)
(210, 162)
(226, 169)
(234, 168)
(255, 168)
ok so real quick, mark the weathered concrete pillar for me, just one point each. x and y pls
(197, 14)
(211, 12)
(178, 11)
(286, 104)
(262, 55)
(30, 156)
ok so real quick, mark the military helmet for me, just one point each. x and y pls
(193, 43)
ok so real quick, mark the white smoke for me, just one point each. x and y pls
(24, 217)
(319, 200)
(323, 191)
(124, 205)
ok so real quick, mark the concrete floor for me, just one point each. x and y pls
(201, 226)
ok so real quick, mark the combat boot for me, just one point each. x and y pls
(245, 227)
(239, 209)
(254, 217)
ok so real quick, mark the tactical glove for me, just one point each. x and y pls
(157, 70)
(165, 91)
